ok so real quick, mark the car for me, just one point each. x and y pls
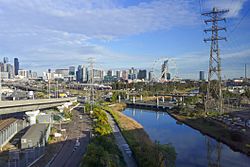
(248, 123)
(77, 144)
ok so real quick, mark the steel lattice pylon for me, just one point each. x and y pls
(214, 99)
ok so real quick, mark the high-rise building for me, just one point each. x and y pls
(23, 73)
(118, 74)
(81, 74)
(72, 70)
(10, 70)
(110, 73)
(1, 67)
(5, 60)
(202, 75)
(132, 76)
(16, 66)
(125, 75)
(164, 70)
(72, 73)
(150, 75)
(63, 72)
(98, 75)
(142, 74)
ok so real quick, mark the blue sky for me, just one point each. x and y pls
(121, 34)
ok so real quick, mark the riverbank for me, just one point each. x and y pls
(102, 149)
(236, 141)
(145, 151)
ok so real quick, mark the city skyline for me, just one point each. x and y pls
(121, 34)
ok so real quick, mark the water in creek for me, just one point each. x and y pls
(193, 148)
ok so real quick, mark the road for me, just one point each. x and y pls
(78, 129)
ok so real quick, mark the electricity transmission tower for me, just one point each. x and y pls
(214, 99)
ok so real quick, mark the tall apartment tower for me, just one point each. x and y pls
(16, 66)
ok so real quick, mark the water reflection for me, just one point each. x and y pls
(193, 148)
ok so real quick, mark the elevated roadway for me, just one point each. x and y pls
(8, 107)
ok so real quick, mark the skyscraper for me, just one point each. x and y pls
(150, 75)
(72, 70)
(5, 60)
(110, 73)
(142, 74)
(202, 76)
(164, 70)
(79, 74)
(16, 66)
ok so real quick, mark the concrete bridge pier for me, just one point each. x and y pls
(141, 98)
(133, 99)
(32, 116)
(127, 96)
(119, 98)
(163, 99)
(157, 102)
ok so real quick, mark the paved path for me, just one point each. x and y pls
(122, 144)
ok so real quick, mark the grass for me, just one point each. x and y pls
(145, 151)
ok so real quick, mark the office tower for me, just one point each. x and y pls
(202, 76)
(16, 66)
(142, 74)
(164, 70)
(118, 74)
(23, 73)
(125, 75)
(62, 72)
(110, 73)
(5, 60)
(150, 75)
(72, 70)
(10, 71)
(79, 74)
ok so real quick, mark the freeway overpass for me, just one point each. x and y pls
(8, 107)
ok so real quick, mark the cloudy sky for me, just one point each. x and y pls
(122, 33)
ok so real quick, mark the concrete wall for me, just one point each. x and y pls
(7, 133)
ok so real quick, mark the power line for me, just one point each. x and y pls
(242, 18)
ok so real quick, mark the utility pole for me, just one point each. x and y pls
(0, 83)
(57, 90)
(91, 81)
(245, 71)
(214, 99)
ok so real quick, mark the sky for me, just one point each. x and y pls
(121, 34)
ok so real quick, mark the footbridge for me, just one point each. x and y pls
(8, 107)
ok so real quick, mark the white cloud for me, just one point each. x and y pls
(94, 18)
(57, 33)
(234, 6)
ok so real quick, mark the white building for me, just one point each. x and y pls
(23, 73)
